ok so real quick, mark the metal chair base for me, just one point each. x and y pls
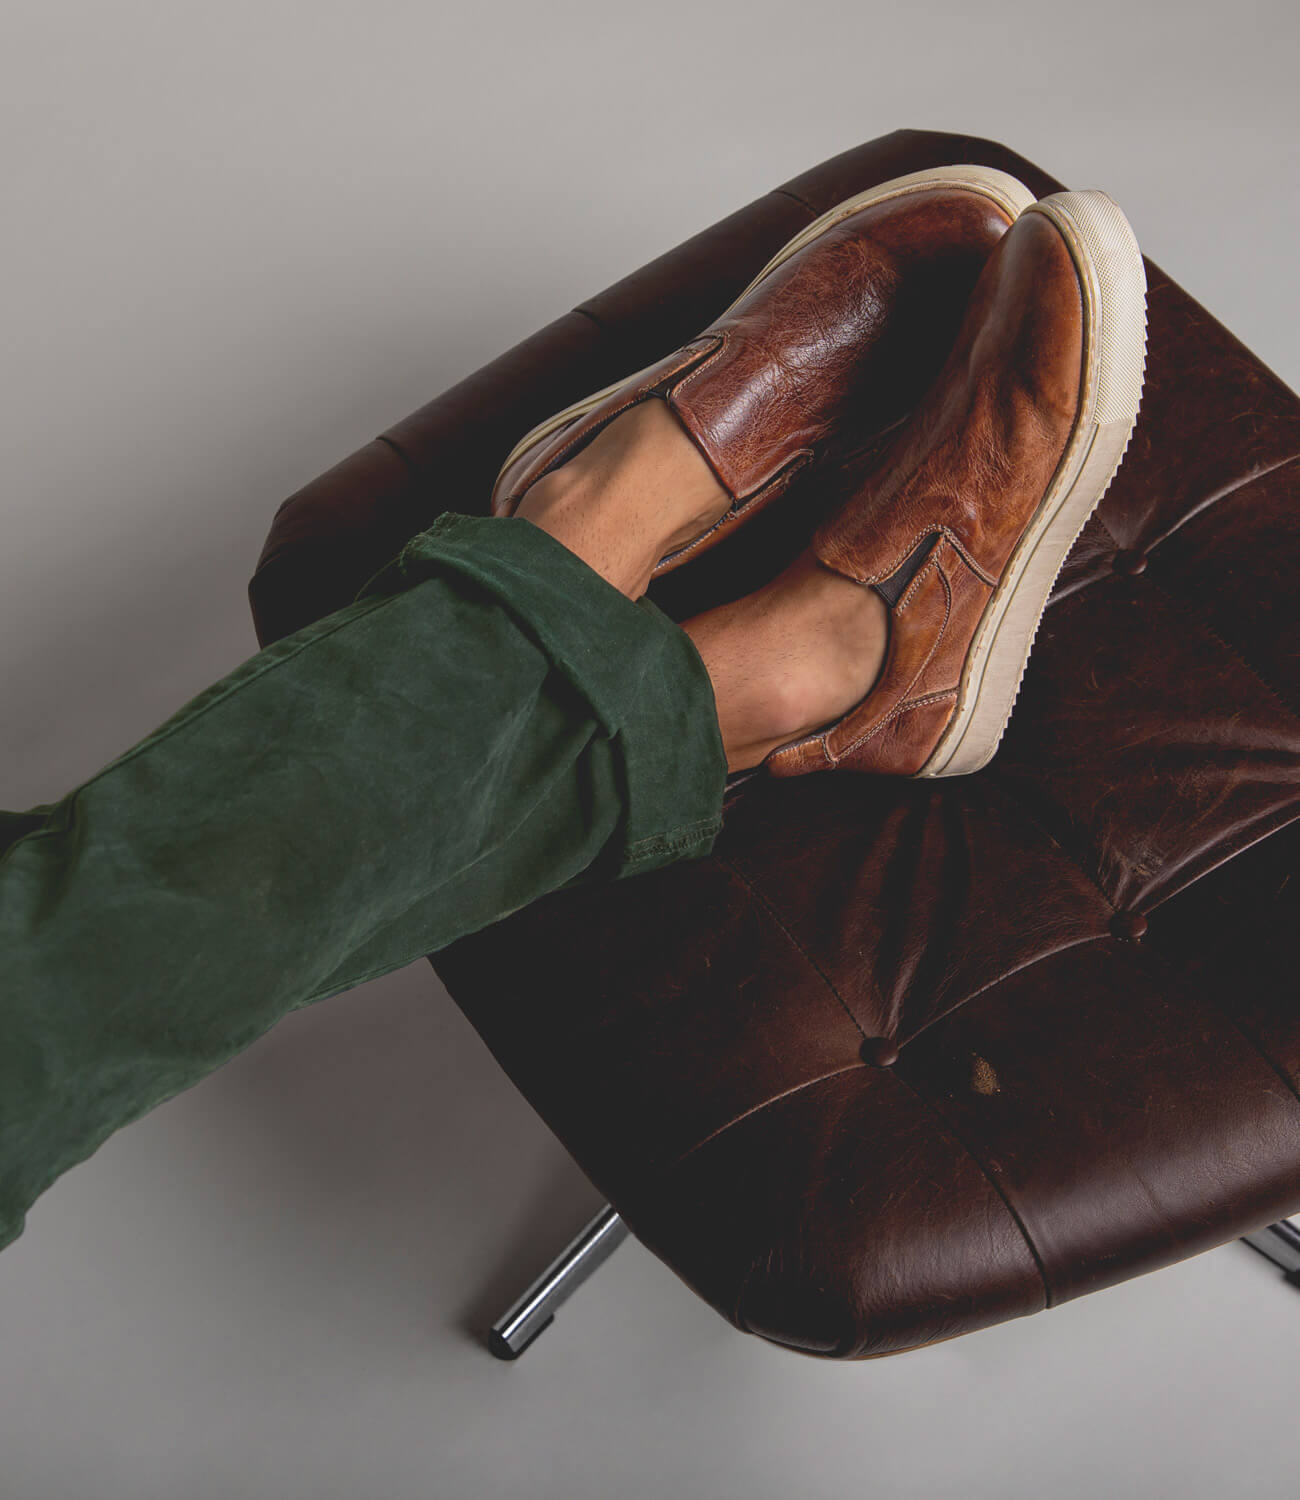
(534, 1312)
(1280, 1242)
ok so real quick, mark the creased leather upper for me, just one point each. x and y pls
(811, 347)
(971, 467)
(830, 342)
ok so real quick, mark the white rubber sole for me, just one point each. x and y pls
(1113, 280)
(1008, 192)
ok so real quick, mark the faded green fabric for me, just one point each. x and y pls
(488, 721)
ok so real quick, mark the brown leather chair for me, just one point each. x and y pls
(903, 1059)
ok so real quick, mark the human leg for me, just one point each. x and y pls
(489, 720)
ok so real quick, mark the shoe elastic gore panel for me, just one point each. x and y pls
(892, 589)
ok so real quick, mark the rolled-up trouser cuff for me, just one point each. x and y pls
(639, 672)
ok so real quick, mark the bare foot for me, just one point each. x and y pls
(795, 655)
(638, 490)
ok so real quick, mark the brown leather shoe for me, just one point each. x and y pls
(964, 523)
(764, 386)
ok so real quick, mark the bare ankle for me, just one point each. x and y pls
(577, 514)
(637, 491)
(790, 659)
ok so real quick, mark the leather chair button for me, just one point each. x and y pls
(1130, 563)
(1129, 925)
(879, 1052)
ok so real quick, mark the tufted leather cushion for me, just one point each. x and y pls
(1085, 954)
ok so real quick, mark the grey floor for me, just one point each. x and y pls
(240, 240)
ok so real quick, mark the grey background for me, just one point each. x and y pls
(241, 239)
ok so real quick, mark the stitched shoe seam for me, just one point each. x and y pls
(902, 705)
(760, 497)
(899, 557)
(590, 433)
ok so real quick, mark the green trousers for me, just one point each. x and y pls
(488, 721)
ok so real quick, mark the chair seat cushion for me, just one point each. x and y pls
(1084, 955)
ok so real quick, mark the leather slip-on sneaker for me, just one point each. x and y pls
(963, 524)
(762, 389)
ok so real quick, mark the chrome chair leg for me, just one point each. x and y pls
(534, 1312)
(1280, 1242)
